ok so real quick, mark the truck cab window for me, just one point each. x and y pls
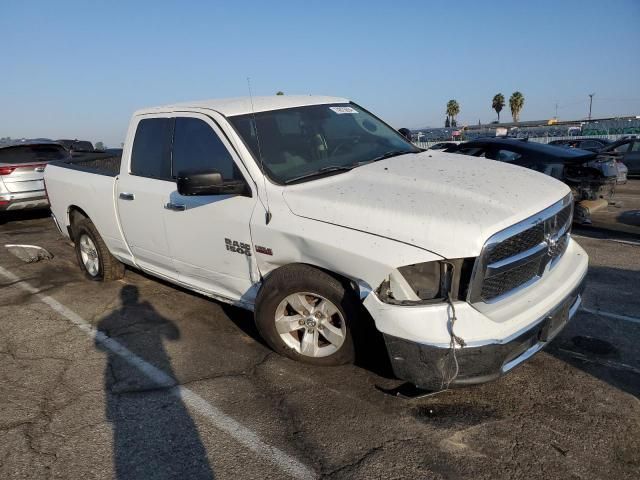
(196, 147)
(151, 153)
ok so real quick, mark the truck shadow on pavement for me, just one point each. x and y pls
(153, 434)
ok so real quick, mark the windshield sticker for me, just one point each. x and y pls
(341, 110)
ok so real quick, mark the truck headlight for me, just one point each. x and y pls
(428, 282)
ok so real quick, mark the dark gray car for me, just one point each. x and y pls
(627, 151)
(590, 144)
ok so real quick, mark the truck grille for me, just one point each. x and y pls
(520, 242)
(520, 255)
(501, 283)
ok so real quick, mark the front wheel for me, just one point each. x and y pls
(307, 315)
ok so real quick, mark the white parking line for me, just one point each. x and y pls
(219, 419)
(603, 362)
(615, 316)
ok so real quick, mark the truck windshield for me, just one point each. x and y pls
(302, 143)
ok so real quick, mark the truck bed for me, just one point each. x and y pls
(86, 185)
(101, 164)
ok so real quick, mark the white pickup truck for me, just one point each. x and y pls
(319, 217)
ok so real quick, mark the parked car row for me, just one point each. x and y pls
(625, 150)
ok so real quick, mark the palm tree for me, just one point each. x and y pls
(498, 104)
(516, 102)
(453, 109)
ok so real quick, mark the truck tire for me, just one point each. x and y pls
(307, 315)
(93, 256)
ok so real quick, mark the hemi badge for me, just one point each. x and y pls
(264, 250)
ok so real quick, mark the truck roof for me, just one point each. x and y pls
(242, 105)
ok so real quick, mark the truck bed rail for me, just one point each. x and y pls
(102, 165)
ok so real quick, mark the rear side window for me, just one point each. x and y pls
(507, 156)
(475, 151)
(622, 148)
(196, 147)
(636, 146)
(32, 154)
(151, 153)
(590, 144)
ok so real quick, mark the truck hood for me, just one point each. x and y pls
(446, 203)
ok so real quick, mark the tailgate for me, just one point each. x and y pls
(22, 178)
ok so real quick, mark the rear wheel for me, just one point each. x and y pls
(307, 315)
(94, 257)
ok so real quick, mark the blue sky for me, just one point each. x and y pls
(78, 69)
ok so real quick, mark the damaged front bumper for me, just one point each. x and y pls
(434, 368)
(496, 336)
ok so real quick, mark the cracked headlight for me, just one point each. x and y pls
(427, 282)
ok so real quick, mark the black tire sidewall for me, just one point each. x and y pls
(280, 285)
(84, 228)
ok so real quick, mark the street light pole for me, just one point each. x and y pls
(590, 103)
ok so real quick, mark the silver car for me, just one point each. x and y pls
(22, 173)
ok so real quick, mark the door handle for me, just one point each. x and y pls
(175, 207)
(126, 196)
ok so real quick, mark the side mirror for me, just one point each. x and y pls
(405, 132)
(209, 182)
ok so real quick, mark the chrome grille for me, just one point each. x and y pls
(501, 283)
(565, 215)
(518, 243)
(520, 255)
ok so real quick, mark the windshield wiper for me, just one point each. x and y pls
(322, 171)
(346, 168)
(389, 154)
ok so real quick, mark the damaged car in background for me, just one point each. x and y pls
(592, 177)
(321, 218)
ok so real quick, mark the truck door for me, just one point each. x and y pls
(209, 236)
(142, 191)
